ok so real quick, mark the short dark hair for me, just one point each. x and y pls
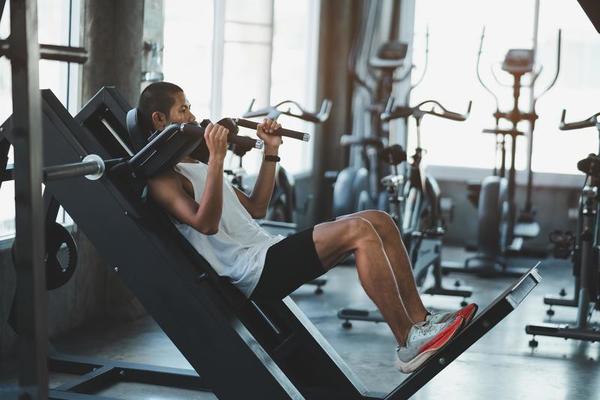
(158, 96)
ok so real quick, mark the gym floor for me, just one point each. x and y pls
(499, 366)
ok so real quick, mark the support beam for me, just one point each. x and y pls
(114, 35)
(29, 256)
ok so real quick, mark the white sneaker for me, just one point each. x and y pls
(424, 340)
(467, 313)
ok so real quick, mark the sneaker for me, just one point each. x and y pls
(467, 313)
(424, 340)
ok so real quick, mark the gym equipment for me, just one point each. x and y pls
(56, 235)
(358, 186)
(414, 204)
(592, 9)
(584, 253)
(24, 52)
(280, 217)
(283, 201)
(501, 232)
(273, 350)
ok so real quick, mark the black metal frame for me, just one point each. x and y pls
(272, 350)
(23, 50)
(585, 258)
(96, 375)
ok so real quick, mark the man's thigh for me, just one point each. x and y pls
(336, 239)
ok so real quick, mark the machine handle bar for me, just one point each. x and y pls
(586, 123)
(275, 111)
(391, 113)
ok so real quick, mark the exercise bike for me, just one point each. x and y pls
(357, 188)
(280, 219)
(414, 204)
(282, 205)
(501, 232)
(584, 252)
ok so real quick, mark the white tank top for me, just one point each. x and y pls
(238, 250)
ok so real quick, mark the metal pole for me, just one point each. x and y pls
(2, 3)
(536, 22)
(29, 256)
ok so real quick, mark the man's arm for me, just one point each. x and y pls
(205, 215)
(258, 202)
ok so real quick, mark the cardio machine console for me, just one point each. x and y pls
(518, 61)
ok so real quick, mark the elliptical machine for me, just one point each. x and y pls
(501, 232)
(360, 188)
(584, 252)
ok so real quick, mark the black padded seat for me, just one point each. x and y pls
(173, 142)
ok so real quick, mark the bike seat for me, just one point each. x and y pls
(393, 154)
(590, 165)
(351, 140)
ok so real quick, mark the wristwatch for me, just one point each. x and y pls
(272, 158)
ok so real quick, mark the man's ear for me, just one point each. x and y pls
(159, 120)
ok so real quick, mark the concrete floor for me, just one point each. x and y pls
(499, 366)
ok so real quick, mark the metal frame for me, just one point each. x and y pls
(272, 350)
(26, 136)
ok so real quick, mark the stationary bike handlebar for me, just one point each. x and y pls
(586, 123)
(437, 110)
(273, 112)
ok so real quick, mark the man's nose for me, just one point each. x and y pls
(192, 117)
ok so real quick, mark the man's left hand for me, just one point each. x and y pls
(265, 131)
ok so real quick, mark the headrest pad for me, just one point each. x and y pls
(137, 134)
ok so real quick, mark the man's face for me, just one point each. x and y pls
(179, 113)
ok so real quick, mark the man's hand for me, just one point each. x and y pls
(215, 137)
(265, 131)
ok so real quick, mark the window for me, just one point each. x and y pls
(451, 78)
(188, 36)
(259, 49)
(58, 23)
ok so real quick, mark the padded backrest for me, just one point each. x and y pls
(137, 135)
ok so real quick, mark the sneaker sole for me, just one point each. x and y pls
(469, 314)
(431, 347)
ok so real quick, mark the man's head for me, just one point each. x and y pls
(163, 103)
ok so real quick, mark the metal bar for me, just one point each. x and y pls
(7, 175)
(58, 172)
(93, 381)
(2, 4)
(31, 293)
(71, 170)
(128, 372)
(4, 149)
(53, 52)
(58, 395)
(77, 55)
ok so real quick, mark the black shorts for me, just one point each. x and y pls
(289, 264)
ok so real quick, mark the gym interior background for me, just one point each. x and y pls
(483, 222)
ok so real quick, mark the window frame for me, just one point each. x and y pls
(74, 97)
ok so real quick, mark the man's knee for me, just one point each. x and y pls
(360, 230)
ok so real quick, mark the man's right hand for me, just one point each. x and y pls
(215, 137)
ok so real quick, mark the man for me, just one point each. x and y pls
(218, 220)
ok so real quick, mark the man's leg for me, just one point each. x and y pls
(396, 252)
(335, 239)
